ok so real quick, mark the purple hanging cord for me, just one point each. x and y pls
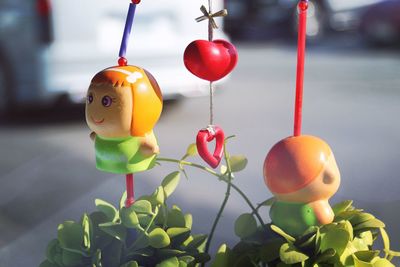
(122, 61)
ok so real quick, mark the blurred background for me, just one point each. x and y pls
(50, 49)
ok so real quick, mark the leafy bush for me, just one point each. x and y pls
(146, 234)
(149, 233)
(348, 241)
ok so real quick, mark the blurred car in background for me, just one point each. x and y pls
(50, 50)
(381, 23)
(271, 18)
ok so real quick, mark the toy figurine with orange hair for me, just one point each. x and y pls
(301, 172)
(123, 105)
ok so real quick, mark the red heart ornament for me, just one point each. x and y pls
(205, 136)
(210, 61)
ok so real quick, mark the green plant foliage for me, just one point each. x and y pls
(245, 225)
(238, 163)
(151, 233)
(148, 233)
(348, 241)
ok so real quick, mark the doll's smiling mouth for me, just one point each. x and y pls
(97, 121)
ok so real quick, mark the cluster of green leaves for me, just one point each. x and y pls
(348, 241)
(148, 233)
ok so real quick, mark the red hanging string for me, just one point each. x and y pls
(301, 48)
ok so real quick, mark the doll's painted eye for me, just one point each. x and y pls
(106, 101)
(89, 98)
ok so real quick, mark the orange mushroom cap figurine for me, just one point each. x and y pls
(123, 105)
(302, 173)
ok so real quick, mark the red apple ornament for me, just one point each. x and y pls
(210, 60)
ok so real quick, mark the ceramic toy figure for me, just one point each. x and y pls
(123, 105)
(301, 172)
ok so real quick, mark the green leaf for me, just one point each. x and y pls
(270, 250)
(385, 239)
(268, 202)
(202, 257)
(382, 263)
(87, 231)
(186, 259)
(290, 255)
(130, 264)
(170, 183)
(336, 239)
(223, 169)
(158, 238)
(374, 223)
(310, 241)
(51, 250)
(238, 163)
(197, 242)
(282, 233)
(367, 237)
(166, 253)
(122, 200)
(71, 258)
(172, 262)
(142, 206)
(129, 217)
(109, 210)
(116, 230)
(222, 257)
(245, 225)
(392, 253)
(70, 236)
(111, 255)
(342, 206)
(142, 241)
(364, 258)
(100, 238)
(158, 197)
(326, 255)
(96, 259)
(191, 150)
(346, 225)
(175, 218)
(188, 220)
(361, 217)
(178, 235)
(359, 244)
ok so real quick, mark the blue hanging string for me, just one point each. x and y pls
(127, 30)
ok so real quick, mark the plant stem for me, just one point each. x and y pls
(221, 177)
(222, 208)
(254, 210)
(187, 163)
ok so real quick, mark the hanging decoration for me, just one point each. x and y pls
(123, 105)
(210, 60)
(301, 170)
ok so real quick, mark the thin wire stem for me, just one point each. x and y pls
(222, 178)
(211, 104)
(223, 205)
